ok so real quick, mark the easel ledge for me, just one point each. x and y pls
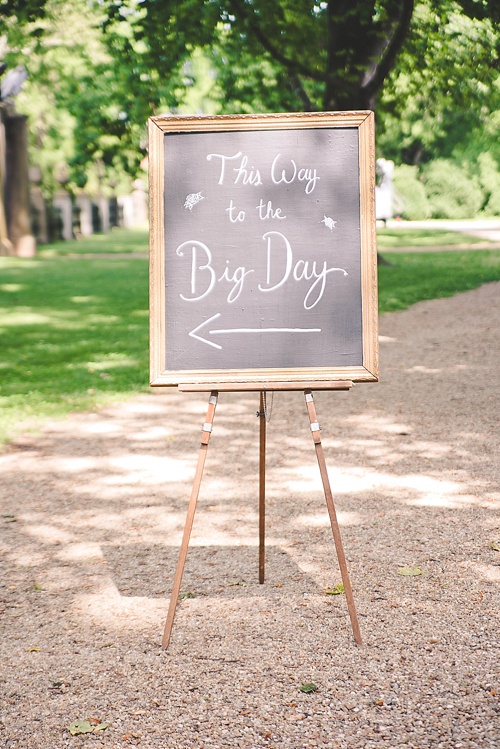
(232, 387)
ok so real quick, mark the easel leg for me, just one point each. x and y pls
(311, 410)
(206, 430)
(262, 488)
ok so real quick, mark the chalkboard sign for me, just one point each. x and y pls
(263, 250)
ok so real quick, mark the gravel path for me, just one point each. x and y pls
(92, 514)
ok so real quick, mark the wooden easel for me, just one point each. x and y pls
(315, 430)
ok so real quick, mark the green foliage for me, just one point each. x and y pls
(252, 84)
(450, 191)
(99, 68)
(411, 199)
(322, 53)
(489, 179)
(19, 12)
(201, 92)
(444, 188)
(87, 101)
(492, 207)
(483, 138)
(445, 84)
(330, 55)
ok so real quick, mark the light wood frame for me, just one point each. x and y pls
(269, 378)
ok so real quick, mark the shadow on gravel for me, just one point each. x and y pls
(93, 512)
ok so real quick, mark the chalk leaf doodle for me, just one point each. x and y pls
(192, 199)
(329, 222)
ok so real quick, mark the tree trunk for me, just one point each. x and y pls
(5, 243)
(342, 101)
(16, 195)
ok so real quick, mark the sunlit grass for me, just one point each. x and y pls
(73, 336)
(74, 331)
(407, 237)
(117, 241)
(413, 277)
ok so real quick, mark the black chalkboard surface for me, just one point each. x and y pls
(262, 249)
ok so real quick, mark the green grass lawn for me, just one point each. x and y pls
(116, 242)
(74, 331)
(391, 238)
(74, 335)
(413, 277)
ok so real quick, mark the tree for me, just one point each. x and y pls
(444, 88)
(89, 94)
(19, 12)
(330, 54)
(87, 101)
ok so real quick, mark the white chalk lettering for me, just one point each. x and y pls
(291, 172)
(271, 249)
(208, 280)
(247, 176)
(233, 216)
(267, 211)
(238, 278)
(280, 268)
(280, 264)
(223, 163)
(203, 277)
(304, 270)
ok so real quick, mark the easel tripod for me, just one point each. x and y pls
(315, 430)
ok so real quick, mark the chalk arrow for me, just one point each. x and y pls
(225, 331)
(202, 325)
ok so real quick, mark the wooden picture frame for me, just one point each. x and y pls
(194, 164)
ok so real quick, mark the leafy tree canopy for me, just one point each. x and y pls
(429, 67)
(19, 12)
(444, 88)
(87, 102)
(330, 54)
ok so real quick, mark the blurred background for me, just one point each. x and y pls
(81, 77)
